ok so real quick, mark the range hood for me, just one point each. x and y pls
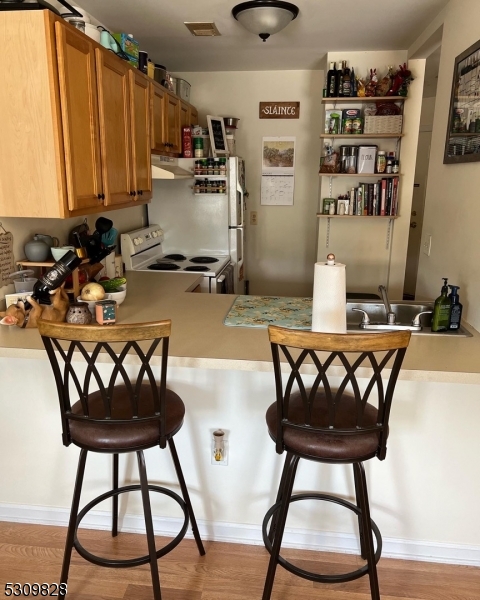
(166, 167)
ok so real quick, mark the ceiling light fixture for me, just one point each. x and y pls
(265, 17)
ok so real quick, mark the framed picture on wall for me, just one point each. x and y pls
(218, 137)
(463, 130)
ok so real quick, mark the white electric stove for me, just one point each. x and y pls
(142, 251)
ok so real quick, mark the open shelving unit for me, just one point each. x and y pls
(358, 175)
(365, 136)
(365, 99)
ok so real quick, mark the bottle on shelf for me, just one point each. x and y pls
(441, 310)
(332, 81)
(353, 84)
(347, 84)
(54, 277)
(340, 71)
(456, 309)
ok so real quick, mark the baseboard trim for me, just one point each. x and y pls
(251, 534)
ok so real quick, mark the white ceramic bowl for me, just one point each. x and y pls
(119, 296)
(57, 253)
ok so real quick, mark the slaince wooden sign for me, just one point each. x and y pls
(279, 110)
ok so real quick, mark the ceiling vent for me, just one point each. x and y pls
(203, 29)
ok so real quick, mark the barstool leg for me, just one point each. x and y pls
(273, 523)
(360, 525)
(280, 525)
(147, 511)
(367, 530)
(186, 497)
(72, 524)
(115, 498)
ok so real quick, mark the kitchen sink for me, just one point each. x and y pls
(405, 311)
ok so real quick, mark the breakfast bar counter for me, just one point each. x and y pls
(424, 497)
(200, 339)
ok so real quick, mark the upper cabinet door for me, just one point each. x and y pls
(172, 123)
(192, 115)
(184, 116)
(78, 97)
(115, 133)
(157, 117)
(141, 148)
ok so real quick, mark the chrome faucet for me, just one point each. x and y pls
(391, 318)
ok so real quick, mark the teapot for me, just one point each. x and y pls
(47, 239)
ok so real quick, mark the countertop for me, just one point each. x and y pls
(200, 339)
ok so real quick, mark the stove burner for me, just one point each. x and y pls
(205, 260)
(164, 267)
(175, 257)
(197, 269)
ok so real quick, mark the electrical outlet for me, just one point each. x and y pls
(427, 244)
(253, 217)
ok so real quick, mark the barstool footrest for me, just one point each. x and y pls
(141, 560)
(317, 577)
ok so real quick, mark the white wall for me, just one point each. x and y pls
(23, 230)
(452, 210)
(280, 250)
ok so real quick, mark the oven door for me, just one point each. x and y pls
(223, 284)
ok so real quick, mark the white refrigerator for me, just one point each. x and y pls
(203, 223)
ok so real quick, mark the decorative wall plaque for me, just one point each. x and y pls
(7, 264)
(279, 110)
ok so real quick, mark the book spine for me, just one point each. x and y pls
(352, 207)
(365, 199)
(388, 207)
(394, 212)
(359, 201)
(383, 199)
(370, 200)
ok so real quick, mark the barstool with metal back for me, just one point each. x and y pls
(324, 424)
(117, 408)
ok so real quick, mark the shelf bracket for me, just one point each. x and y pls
(389, 234)
(328, 233)
(330, 189)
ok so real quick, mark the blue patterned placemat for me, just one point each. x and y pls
(262, 311)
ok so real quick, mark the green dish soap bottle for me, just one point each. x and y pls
(456, 311)
(441, 311)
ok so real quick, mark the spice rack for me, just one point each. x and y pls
(76, 285)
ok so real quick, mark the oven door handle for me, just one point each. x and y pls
(221, 279)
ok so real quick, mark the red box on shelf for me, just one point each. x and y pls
(187, 146)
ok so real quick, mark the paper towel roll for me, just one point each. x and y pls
(329, 306)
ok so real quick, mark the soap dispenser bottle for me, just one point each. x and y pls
(441, 311)
(456, 310)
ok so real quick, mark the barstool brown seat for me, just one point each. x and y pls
(116, 408)
(332, 425)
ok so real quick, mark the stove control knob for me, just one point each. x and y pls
(159, 232)
(154, 234)
(136, 241)
(140, 240)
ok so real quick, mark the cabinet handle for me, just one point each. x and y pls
(140, 192)
(101, 196)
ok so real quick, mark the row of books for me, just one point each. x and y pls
(375, 199)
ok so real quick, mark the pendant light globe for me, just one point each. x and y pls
(265, 17)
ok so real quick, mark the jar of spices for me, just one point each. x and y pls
(210, 166)
(344, 151)
(216, 166)
(381, 161)
(198, 146)
(209, 186)
(198, 167)
(196, 187)
(223, 166)
(202, 186)
(389, 165)
(204, 166)
(396, 166)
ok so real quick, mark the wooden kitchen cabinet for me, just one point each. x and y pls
(184, 116)
(172, 123)
(115, 133)
(72, 143)
(81, 132)
(141, 146)
(157, 117)
(192, 115)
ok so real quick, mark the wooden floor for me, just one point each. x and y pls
(33, 554)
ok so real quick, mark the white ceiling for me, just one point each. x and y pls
(322, 25)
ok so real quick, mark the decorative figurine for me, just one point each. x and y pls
(401, 81)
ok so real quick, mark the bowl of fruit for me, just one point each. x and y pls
(108, 289)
